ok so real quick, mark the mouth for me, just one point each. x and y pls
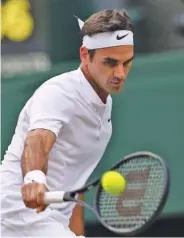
(117, 83)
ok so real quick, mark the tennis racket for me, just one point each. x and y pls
(131, 212)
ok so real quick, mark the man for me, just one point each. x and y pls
(63, 131)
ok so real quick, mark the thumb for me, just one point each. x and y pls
(40, 208)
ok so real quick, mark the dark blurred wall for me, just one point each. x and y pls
(25, 53)
(163, 24)
(56, 35)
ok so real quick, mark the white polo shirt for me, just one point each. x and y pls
(68, 106)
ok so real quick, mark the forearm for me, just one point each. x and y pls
(77, 219)
(35, 153)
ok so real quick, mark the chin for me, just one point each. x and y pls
(116, 90)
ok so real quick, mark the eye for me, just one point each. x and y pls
(110, 63)
(127, 63)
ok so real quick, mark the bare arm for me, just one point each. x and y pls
(77, 219)
(36, 149)
(37, 146)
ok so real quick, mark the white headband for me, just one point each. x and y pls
(107, 39)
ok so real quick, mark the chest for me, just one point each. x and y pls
(89, 130)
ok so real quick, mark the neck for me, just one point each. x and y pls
(100, 92)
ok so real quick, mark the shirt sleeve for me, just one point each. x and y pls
(50, 108)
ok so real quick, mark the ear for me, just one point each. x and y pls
(84, 57)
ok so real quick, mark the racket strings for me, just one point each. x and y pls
(136, 205)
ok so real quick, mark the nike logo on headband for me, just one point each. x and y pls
(121, 37)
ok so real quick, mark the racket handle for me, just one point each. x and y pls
(54, 197)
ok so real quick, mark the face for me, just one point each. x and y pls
(109, 67)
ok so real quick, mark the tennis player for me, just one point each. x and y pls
(63, 131)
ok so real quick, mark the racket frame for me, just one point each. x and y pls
(159, 208)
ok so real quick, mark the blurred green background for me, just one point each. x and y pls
(147, 116)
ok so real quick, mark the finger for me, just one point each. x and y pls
(25, 194)
(40, 197)
(40, 194)
(33, 192)
(28, 191)
(30, 200)
(40, 208)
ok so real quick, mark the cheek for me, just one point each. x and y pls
(95, 70)
(100, 72)
(128, 69)
(105, 76)
(105, 72)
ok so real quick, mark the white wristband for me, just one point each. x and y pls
(35, 176)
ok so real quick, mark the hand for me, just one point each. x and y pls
(33, 195)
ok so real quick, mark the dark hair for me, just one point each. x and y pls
(106, 21)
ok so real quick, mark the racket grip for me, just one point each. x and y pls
(54, 197)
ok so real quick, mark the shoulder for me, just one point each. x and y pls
(66, 81)
(57, 95)
(63, 84)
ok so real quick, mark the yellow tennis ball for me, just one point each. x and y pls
(113, 183)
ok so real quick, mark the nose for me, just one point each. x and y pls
(119, 72)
